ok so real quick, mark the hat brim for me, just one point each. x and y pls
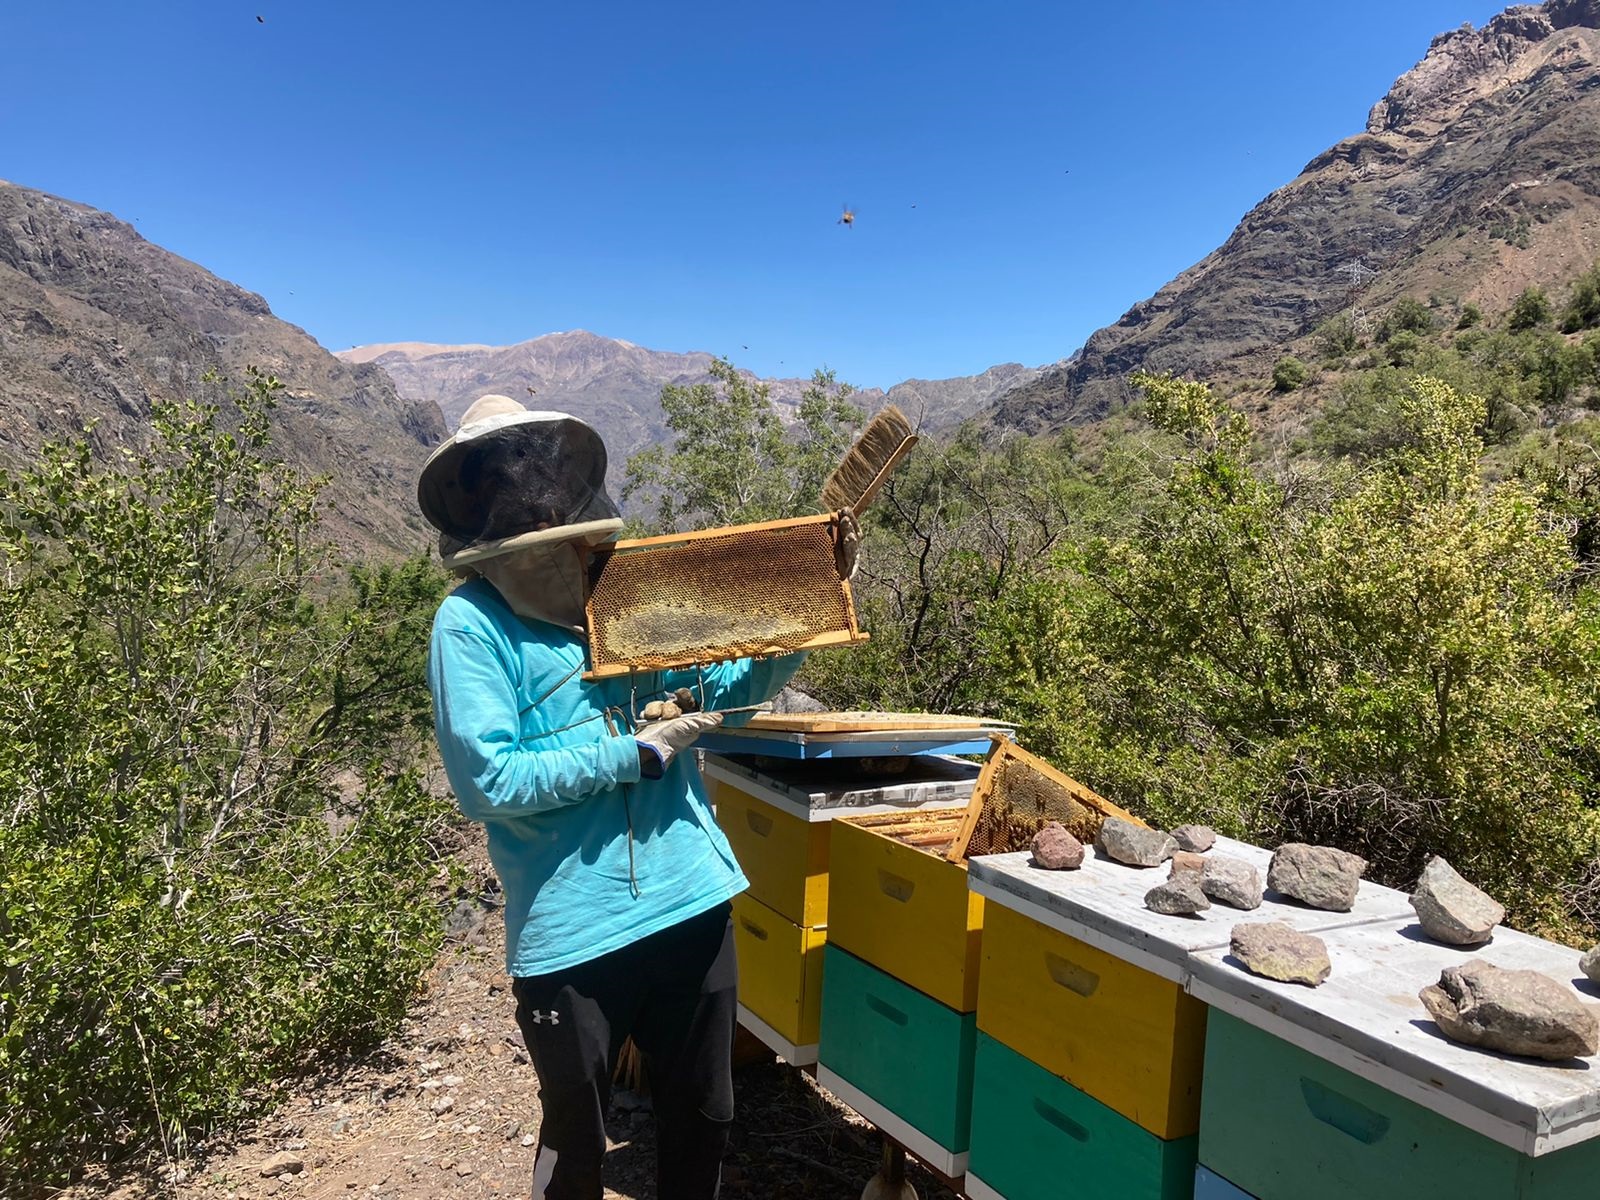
(593, 531)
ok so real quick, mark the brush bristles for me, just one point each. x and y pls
(865, 461)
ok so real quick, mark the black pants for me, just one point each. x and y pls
(675, 993)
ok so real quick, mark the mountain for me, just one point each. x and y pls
(616, 385)
(96, 322)
(1477, 174)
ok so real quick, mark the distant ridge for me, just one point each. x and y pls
(1478, 173)
(96, 322)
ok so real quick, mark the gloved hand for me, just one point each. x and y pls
(846, 543)
(664, 739)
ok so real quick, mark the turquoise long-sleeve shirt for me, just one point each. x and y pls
(528, 751)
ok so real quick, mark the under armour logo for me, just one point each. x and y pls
(540, 1018)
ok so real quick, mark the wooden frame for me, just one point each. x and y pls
(667, 661)
(1005, 751)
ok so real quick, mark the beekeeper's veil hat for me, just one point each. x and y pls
(510, 478)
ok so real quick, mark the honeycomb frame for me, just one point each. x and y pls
(743, 591)
(993, 824)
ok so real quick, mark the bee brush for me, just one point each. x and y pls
(866, 466)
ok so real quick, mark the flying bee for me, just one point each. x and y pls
(848, 219)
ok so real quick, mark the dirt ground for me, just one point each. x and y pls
(449, 1107)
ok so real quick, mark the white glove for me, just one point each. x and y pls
(665, 739)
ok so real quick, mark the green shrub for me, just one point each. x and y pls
(1407, 316)
(1531, 310)
(216, 861)
(1289, 374)
(1393, 661)
(1337, 336)
(1583, 306)
(1471, 315)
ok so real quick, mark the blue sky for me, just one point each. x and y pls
(672, 174)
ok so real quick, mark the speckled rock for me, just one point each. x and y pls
(1179, 895)
(1451, 910)
(1273, 950)
(1518, 1012)
(1317, 875)
(1197, 839)
(1589, 964)
(1231, 881)
(1186, 860)
(1133, 844)
(1055, 849)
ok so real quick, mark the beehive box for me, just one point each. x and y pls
(744, 591)
(897, 903)
(1081, 978)
(777, 818)
(1033, 1131)
(780, 979)
(1348, 1089)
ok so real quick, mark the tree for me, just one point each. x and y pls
(1289, 374)
(732, 461)
(1583, 306)
(216, 856)
(1393, 660)
(1531, 310)
(1408, 315)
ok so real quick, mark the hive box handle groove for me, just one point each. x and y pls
(753, 929)
(760, 825)
(1070, 975)
(895, 887)
(885, 1009)
(1060, 1120)
(1344, 1114)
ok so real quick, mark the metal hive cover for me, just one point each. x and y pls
(744, 591)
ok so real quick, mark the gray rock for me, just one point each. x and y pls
(1317, 875)
(1518, 1012)
(1195, 838)
(1055, 849)
(284, 1162)
(1179, 895)
(1231, 881)
(1589, 964)
(1275, 951)
(1186, 860)
(1451, 909)
(1134, 844)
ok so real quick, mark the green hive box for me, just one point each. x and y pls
(900, 1049)
(1036, 1137)
(1284, 1124)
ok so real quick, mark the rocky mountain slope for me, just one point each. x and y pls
(616, 385)
(1477, 174)
(95, 322)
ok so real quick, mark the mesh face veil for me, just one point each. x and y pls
(511, 478)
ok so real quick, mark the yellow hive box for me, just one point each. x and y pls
(1130, 1039)
(780, 970)
(784, 858)
(897, 904)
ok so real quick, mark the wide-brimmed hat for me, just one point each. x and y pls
(509, 477)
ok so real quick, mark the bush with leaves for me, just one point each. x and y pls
(216, 858)
(1531, 310)
(732, 461)
(1289, 374)
(1395, 661)
(1409, 315)
(1583, 305)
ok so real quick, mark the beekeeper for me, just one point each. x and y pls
(616, 879)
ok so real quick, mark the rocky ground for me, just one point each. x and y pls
(449, 1107)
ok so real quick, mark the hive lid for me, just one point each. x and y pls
(1102, 903)
(829, 788)
(1366, 1018)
